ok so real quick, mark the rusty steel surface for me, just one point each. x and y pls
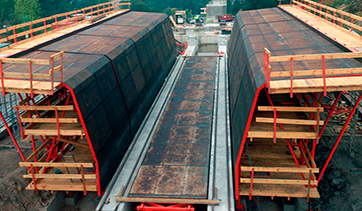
(177, 161)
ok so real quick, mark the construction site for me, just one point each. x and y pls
(105, 108)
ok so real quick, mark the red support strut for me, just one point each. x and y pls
(340, 136)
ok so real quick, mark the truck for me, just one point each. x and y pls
(224, 18)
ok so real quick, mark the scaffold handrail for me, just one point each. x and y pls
(31, 76)
(323, 73)
(53, 23)
(323, 11)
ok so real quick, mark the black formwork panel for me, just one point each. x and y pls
(115, 70)
(282, 35)
(177, 161)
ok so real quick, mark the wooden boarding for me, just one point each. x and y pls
(46, 126)
(316, 85)
(64, 181)
(56, 164)
(168, 200)
(295, 123)
(46, 108)
(43, 38)
(290, 109)
(278, 191)
(291, 135)
(289, 121)
(279, 169)
(63, 185)
(339, 34)
(60, 176)
(285, 177)
(278, 181)
(23, 86)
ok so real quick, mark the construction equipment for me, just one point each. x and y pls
(180, 17)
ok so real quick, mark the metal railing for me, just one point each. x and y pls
(25, 31)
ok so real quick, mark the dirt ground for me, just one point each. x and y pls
(13, 195)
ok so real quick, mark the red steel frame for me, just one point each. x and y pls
(315, 102)
(53, 150)
(159, 207)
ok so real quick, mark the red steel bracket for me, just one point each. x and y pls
(159, 207)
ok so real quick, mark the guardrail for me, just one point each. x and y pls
(334, 16)
(30, 30)
(31, 76)
(324, 72)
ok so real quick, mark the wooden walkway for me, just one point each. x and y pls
(317, 85)
(343, 36)
(31, 43)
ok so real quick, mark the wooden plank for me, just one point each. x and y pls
(60, 176)
(356, 17)
(38, 150)
(306, 161)
(314, 57)
(309, 154)
(46, 108)
(56, 69)
(168, 200)
(272, 190)
(57, 55)
(40, 132)
(26, 75)
(330, 88)
(24, 61)
(50, 120)
(63, 187)
(293, 135)
(74, 143)
(278, 169)
(315, 99)
(278, 181)
(26, 100)
(289, 121)
(290, 109)
(340, 71)
(55, 165)
(333, 18)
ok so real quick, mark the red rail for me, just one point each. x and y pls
(159, 207)
(337, 17)
(323, 73)
(55, 22)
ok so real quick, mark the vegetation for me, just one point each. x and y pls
(19, 11)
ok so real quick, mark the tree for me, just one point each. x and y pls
(26, 10)
(6, 11)
(52, 7)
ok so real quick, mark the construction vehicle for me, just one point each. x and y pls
(180, 17)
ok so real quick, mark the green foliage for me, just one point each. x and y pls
(52, 7)
(143, 6)
(259, 4)
(168, 6)
(170, 11)
(26, 10)
(235, 8)
(6, 10)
